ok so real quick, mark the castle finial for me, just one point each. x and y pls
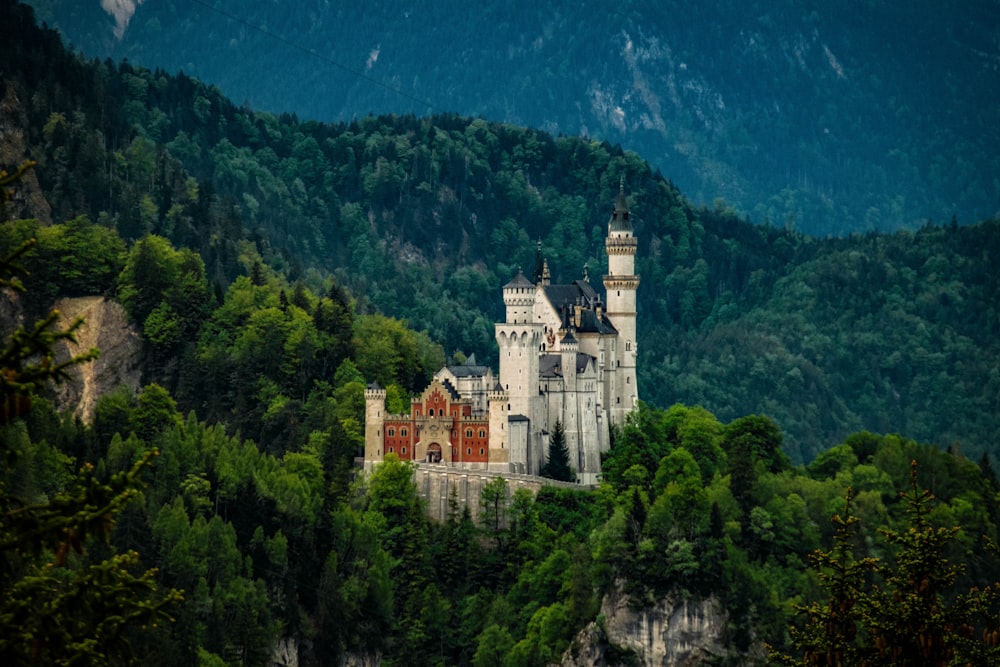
(586, 273)
(538, 271)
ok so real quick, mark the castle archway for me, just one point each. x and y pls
(434, 453)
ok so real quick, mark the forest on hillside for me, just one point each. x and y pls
(215, 517)
(831, 118)
(423, 219)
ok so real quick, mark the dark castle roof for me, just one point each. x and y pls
(455, 396)
(469, 369)
(519, 281)
(550, 365)
(620, 216)
(564, 298)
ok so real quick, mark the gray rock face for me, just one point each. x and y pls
(28, 200)
(672, 633)
(105, 327)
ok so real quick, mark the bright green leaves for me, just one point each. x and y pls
(898, 610)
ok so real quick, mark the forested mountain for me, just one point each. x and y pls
(827, 117)
(213, 516)
(425, 219)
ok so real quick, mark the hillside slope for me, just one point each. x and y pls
(425, 219)
(831, 118)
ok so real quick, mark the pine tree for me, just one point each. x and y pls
(906, 619)
(557, 466)
(54, 609)
(830, 634)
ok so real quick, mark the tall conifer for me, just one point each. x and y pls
(557, 466)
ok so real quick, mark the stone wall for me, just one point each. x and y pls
(435, 484)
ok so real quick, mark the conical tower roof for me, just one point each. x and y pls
(620, 216)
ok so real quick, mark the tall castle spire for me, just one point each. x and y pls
(621, 284)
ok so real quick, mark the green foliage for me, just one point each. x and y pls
(905, 617)
(55, 606)
(423, 220)
(253, 507)
(557, 462)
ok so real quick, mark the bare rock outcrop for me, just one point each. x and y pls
(28, 200)
(672, 633)
(105, 327)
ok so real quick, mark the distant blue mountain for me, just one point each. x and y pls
(829, 117)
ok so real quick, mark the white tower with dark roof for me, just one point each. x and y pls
(621, 284)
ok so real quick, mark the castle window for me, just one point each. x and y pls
(628, 345)
(618, 399)
(390, 450)
(468, 433)
(628, 380)
(469, 450)
(481, 451)
(403, 450)
(430, 413)
(402, 432)
(482, 433)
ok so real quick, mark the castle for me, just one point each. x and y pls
(566, 355)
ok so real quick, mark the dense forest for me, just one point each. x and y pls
(274, 267)
(423, 219)
(830, 117)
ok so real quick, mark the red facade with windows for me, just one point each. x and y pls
(440, 424)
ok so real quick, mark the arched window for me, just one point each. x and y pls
(403, 450)
(468, 433)
(390, 450)
(469, 450)
(481, 451)
(430, 413)
(482, 433)
(403, 432)
(392, 432)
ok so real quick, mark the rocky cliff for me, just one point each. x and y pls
(27, 200)
(672, 633)
(105, 326)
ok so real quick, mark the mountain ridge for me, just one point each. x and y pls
(826, 118)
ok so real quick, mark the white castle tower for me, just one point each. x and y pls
(519, 338)
(621, 284)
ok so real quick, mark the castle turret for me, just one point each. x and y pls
(374, 422)
(621, 284)
(519, 340)
(500, 456)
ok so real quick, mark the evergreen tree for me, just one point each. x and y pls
(904, 618)
(557, 466)
(55, 608)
